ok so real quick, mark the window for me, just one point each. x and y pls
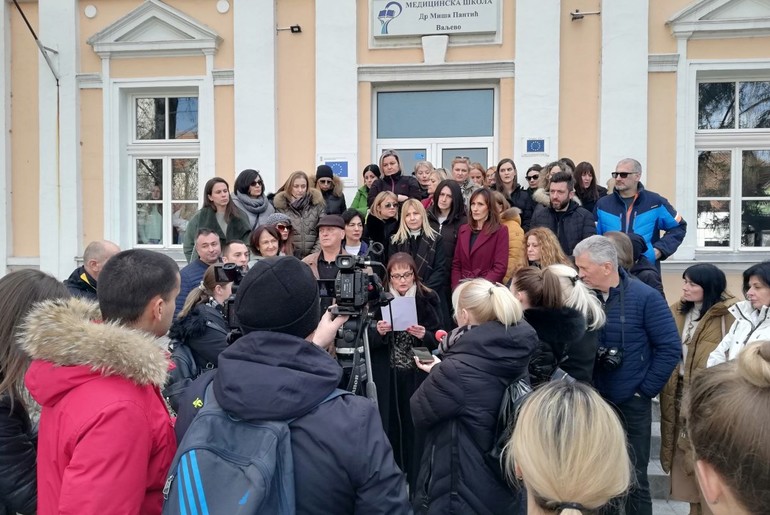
(733, 169)
(164, 155)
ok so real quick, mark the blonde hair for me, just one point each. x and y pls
(570, 448)
(402, 234)
(442, 173)
(486, 301)
(379, 199)
(576, 295)
(551, 252)
(728, 420)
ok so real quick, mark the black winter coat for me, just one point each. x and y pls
(575, 225)
(648, 274)
(205, 331)
(18, 480)
(398, 184)
(562, 334)
(343, 463)
(80, 284)
(449, 231)
(588, 202)
(335, 204)
(380, 231)
(458, 404)
(522, 199)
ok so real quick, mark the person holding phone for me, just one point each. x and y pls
(393, 366)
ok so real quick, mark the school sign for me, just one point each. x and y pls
(425, 17)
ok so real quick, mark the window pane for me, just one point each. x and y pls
(716, 105)
(754, 105)
(756, 173)
(435, 114)
(713, 223)
(714, 173)
(183, 118)
(150, 118)
(755, 231)
(474, 155)
(184, 179)
(149, 179)
(181, 214)
(149, 223)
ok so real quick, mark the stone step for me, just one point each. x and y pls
(660, 482)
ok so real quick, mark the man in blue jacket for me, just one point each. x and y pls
(639, 347)
(633, 209)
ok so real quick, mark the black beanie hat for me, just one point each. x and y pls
(324, 172)
(279, 294)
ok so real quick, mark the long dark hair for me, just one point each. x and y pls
(713, 282)
(761, 270)
(457, 211)
(498, 183)
(230, 210)
(592, 191)
(492, 222)
(19, 291)
(244, 180)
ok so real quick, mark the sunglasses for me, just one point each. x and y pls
(389, 205)
(324, 181)
(256, 182)
(532, 177)
(622, 175)
(283, 227)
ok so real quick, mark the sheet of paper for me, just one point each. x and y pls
(404, 310)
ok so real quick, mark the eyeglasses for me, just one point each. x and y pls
(389, 205)
(324, 181)
(622, 175)
(532, 177)
(400, 277)
(282, 227)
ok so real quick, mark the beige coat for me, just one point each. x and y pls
(706, 336)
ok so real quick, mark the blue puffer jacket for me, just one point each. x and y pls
(649, 214)
(649, 338)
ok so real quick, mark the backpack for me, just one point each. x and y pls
(513, 398)
(185, 371)
(225, 465)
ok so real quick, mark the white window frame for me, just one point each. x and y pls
(690, 140)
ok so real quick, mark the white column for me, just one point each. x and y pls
(536, 103)
(110, 148)
(336, 98)
(60, 185)
(686, 164)
(207, 168)
(623, 122)
(6, 229)
(255, 94)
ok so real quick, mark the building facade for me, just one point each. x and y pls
(135, 104)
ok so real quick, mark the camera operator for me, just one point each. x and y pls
(331, 232)
(280, 370)
(394, 370)
(639, 347)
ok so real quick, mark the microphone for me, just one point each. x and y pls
(441, 335)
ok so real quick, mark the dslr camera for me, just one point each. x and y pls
(230, 273)
(609, 358)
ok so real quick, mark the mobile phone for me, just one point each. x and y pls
(423, 354)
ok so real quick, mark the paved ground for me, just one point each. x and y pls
(662, 507)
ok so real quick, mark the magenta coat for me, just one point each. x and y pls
(488, 258)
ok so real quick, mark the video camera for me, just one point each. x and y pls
(230, 273)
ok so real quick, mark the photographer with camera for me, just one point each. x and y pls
(280, 370)
(639, 347)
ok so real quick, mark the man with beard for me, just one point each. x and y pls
(565, 217)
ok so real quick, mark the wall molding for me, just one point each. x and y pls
(662, 63)
(378, 73)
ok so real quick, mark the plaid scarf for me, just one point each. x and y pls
(423, 251)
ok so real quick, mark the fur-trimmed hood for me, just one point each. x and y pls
(541, 197)
(338, 186)
(512, 214)
(282, 199)
(70, 332)
(566, 325)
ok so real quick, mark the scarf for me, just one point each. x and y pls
(301, 203)
(401, 356)
(256, 206)
(423, 251)
(411, 292)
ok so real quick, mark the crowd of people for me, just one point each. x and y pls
(556, 284)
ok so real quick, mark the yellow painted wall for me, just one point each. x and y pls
(296, 89)
(660, 39)
(109, 11)
(507, 88)
(365, 132)
(738, 48)
(224, 132)
(455, 53)
(92, 163)
(661, 135)
(157, 67)
(25, 162)
(580, 82)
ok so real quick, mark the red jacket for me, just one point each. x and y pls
(105, 440)
(488, 259)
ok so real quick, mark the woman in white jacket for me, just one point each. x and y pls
(752, 316)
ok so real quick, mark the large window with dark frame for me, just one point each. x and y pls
(164, 152)
(732, 143)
